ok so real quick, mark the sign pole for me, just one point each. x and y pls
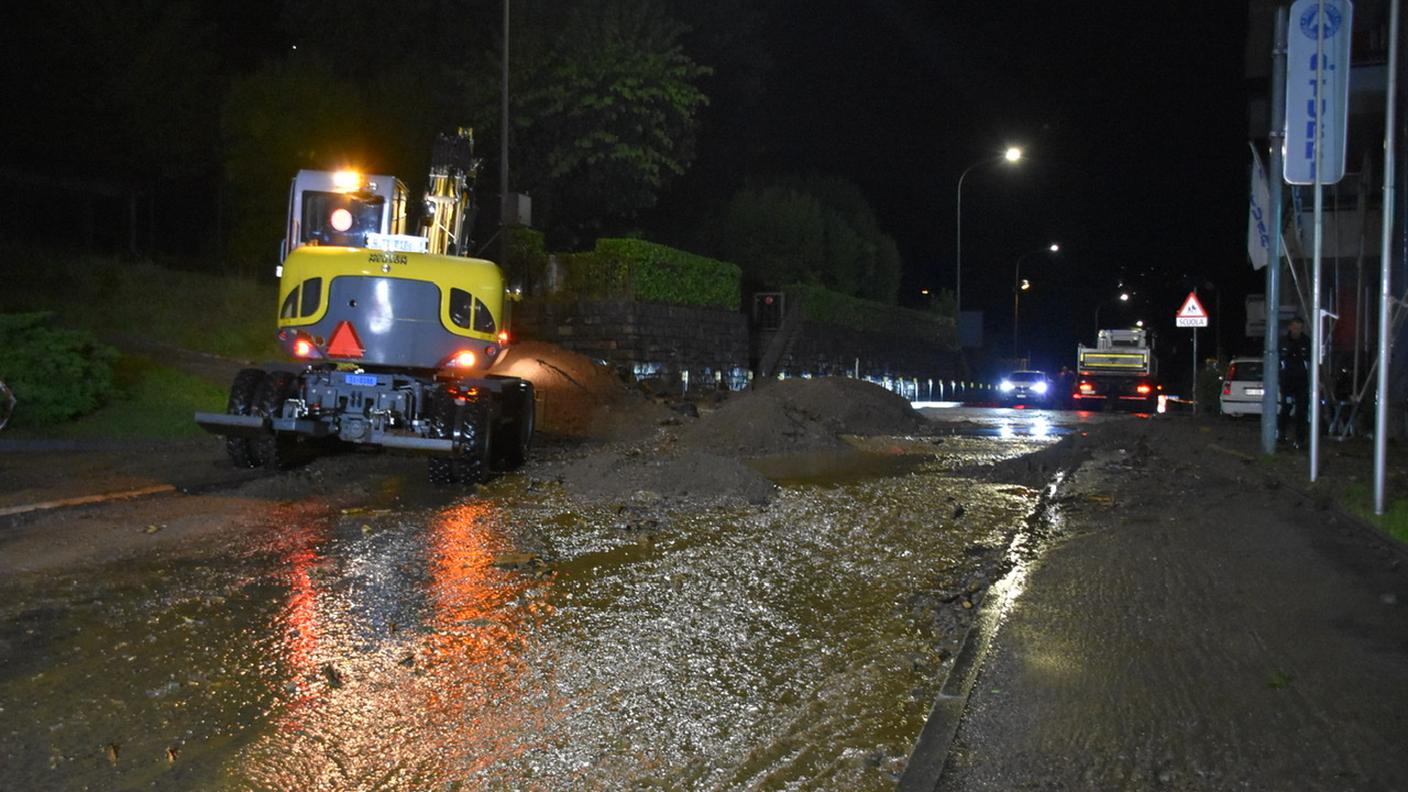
(1271, 364)
(1315, 339)
(1195, 370)
(1390, 115)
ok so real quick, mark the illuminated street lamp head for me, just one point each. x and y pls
(1124, 296)
(1026, 284)
(1012, 154)
(1054, 248)
(1139, 323)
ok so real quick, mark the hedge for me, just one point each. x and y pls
(640, 270)
(825, 306)
(56, 374)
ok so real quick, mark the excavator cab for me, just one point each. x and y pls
(348, 209)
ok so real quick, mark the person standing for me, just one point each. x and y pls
(1295, 381)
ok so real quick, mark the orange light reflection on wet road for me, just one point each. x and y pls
(416, 705)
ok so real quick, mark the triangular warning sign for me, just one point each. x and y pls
(344, 342)
(1192, 309)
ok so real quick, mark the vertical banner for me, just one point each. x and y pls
(1312, 108)
(1258, 232)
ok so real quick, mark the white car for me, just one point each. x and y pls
(1242, 387)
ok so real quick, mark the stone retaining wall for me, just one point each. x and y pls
(707, 348)
(710, 348)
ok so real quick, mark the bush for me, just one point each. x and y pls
(56, 374)
(640, 270)
(527, 262)
(834, 308)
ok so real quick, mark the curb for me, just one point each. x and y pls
(926, 763)
(84, 500)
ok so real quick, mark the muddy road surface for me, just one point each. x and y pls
(347, 626)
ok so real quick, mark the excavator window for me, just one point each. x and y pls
(289, 309)
(461, 302)
(460, 305)
(343, 219)
(312, 296)
(483, 320)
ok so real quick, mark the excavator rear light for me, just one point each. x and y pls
(304, 347)
(462, 359)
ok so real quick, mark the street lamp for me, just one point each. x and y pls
(1012, 155)
(1019, 286)
(1124, 297)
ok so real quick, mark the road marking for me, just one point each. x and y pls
(86, 499)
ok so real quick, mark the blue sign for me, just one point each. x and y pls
(1317, 99)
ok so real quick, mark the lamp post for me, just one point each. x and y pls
(1019, 286)
(1011, 155)
(1124, 297)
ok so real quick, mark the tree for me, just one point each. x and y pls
(811, 229)
(605, 105)
(287, 115)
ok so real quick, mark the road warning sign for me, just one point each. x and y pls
(1192, 314)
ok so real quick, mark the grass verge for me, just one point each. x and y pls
(202, 311)
(151, 401)
(1394, 521)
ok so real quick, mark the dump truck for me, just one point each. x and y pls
(393, 325)
(1119, 371)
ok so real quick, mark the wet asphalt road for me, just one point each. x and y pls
(1198, 627)
(515, 638)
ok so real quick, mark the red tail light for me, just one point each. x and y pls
(1227, 389)
(1087, 387)
(305, 347)
(503, 338)
(1143, 389)
(463, 359)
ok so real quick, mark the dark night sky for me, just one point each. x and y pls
(1134, 116)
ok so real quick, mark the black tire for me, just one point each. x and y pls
(241, 402)
(513, 437)
(274, 449)
(466, 422)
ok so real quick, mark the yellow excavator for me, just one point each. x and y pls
(395, 326)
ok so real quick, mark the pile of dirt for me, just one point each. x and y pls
(802, 415)
(579, 397)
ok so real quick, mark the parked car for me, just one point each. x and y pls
(1025, 387)
(1242, 387)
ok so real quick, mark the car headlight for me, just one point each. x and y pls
(1006, 386)
(1040, 387)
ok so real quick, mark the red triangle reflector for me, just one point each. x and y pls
(344, 342)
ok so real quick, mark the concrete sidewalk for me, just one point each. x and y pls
(1198, 624)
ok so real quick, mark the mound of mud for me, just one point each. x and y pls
(802, 414)
(617, 475)
(579, 397)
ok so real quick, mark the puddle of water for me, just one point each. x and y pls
(519, 640)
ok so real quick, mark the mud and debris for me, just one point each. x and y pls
(721, 453)
(682, 603)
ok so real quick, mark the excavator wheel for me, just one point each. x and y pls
(241, 449)
(513, 436)
(465, 421)
(274, 450)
